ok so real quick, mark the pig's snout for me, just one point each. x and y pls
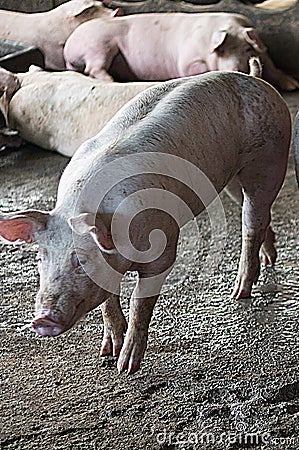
(45, 325)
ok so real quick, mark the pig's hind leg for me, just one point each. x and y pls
(115, 326)
(268, 250)
(261, 181)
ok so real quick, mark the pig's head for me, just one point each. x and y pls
(232, 50)
(83, 10)
(9, 83)
(72, 256)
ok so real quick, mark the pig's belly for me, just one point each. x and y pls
(120, 69)
(136, 68)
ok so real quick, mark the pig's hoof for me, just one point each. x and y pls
(269, 253)
(269, 258)
(242, 290)
(113, 335)
(131, 354)
(132, 367)
(111, 346)
(268, 250)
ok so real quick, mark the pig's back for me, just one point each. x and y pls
(214, 120)
(185, 107)
(17, 26)
(65, 110)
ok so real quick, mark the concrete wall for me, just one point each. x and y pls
(29, 5)
(45, 5)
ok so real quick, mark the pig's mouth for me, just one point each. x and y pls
(47, 327)
(46, 324)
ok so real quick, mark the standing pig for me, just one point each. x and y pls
(49, 30)
(169, 45)
(126, 192)
(60, 110)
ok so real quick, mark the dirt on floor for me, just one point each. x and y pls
(217, 374)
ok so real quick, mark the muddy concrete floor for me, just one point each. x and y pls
(218, 373)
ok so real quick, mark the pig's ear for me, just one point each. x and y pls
(33, 68)
(253, 39)
(117, 12)
(88, 223)
(22, 226)
(77, 8)
(218, 38)
(9, 82)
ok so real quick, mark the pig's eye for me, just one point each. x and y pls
(248, 49)
(78, 263)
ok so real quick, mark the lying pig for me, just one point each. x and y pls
(168, 45)
(126, 192)
(49, 30)
(60, 110)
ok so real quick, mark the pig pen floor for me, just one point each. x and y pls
(218, 373)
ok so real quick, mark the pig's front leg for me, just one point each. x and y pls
(141, 310)
(134, 346)
(277, 77)
(189, 66)
(93, 61)
(91, 71)
(115, 326)
(95, 71)
(151, 277)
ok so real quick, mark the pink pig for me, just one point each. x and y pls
(163, 46)
(126, 192)
(49, 30)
